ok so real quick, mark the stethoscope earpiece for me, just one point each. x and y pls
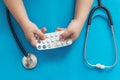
(30, 61)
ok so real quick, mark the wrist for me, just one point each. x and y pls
(77, 22)
(25, 24)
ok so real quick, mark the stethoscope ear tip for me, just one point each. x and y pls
(30, 61)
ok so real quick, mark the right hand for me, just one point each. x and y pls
(30, 30)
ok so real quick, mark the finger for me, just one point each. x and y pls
(65, 35)
(40, 34)
(33, 41)
(60, 29)
(74, 37)
(44, 30)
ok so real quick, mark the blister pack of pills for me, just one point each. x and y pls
(52, 41)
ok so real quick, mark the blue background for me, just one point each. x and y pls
(64, 63)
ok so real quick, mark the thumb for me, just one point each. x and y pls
(40, 34)
(43, 29)
(65, 34)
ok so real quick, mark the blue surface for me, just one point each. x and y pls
(64, 63)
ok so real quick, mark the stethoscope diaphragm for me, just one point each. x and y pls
(30, 61)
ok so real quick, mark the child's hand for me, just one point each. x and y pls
(30, 30)
(72, 31)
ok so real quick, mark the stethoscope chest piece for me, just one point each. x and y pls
(30, 61)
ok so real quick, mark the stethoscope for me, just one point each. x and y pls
(99, 65)
(29, 60)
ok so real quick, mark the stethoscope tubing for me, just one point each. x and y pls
(112, 30)
(15, 35)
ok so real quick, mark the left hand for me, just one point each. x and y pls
(73, 30)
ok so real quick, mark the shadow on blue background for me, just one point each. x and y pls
(65, 63)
